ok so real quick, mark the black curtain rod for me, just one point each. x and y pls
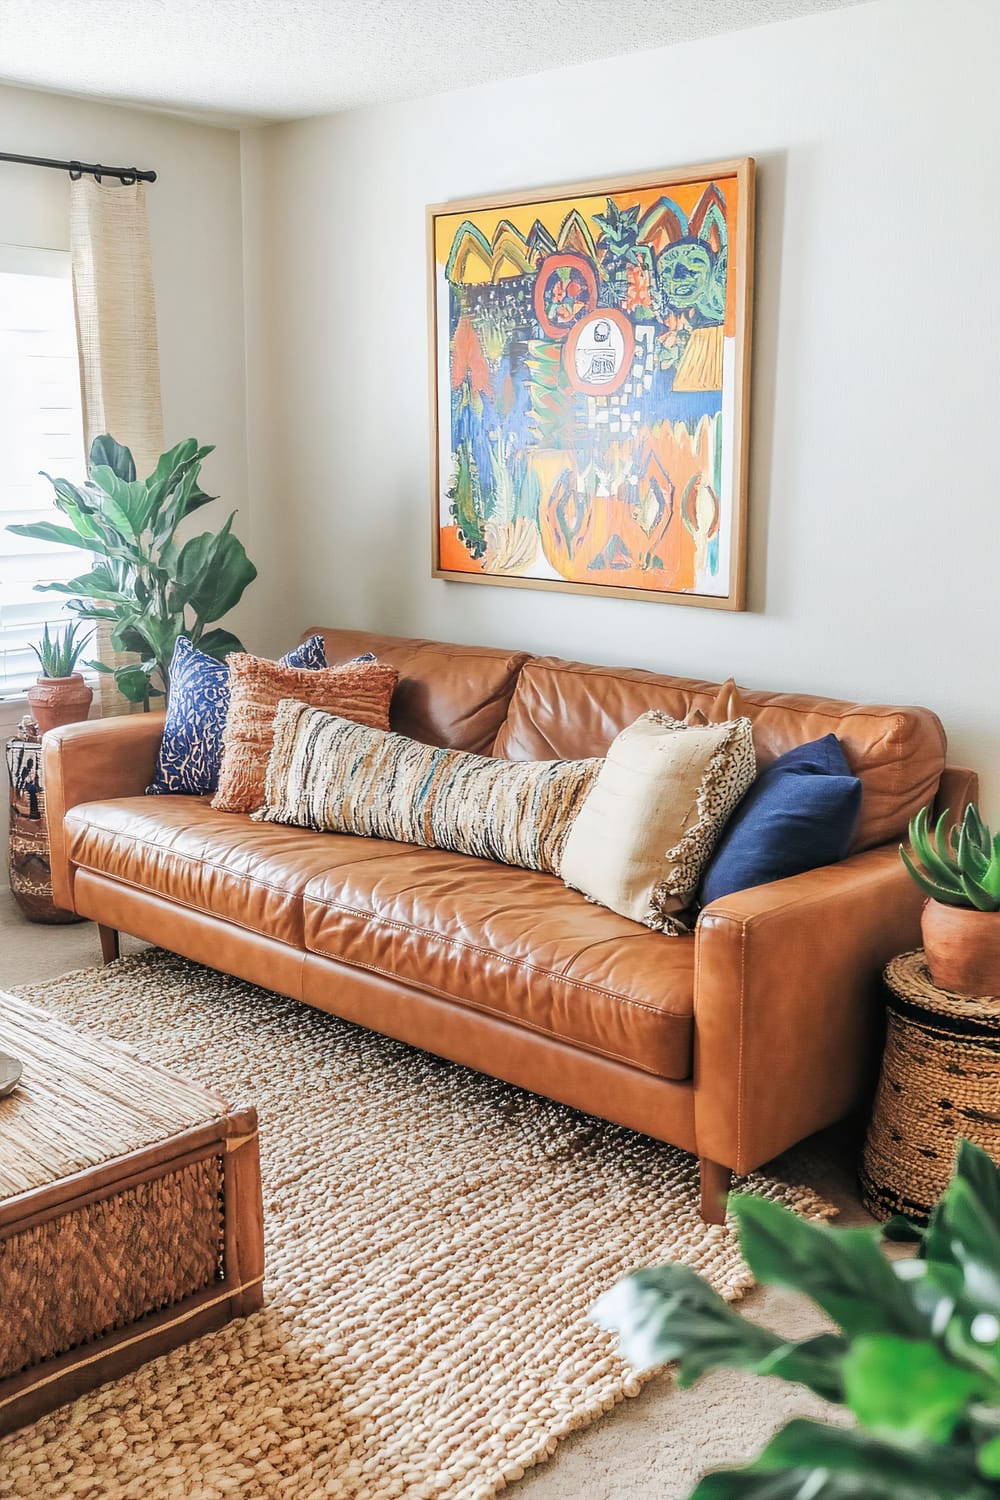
(76, 169)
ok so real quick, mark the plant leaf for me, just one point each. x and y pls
(99, 583)
(785, 1484)
(988, 1458)
(926, 845)
(949, 895)
(104, 450)
(975, 1241)
(211, 572)
(910, 1390)
(48, 531)
(174, 489)
(133, 682)
(900, 1230)
(834, 1462)
(666, 1313)
(976, 896)
(842, 1270)
(219, 643)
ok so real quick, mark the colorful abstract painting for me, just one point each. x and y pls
(590, 358)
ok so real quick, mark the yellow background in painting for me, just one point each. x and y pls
(551, 212)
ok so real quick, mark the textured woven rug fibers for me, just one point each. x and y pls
(434, 1242)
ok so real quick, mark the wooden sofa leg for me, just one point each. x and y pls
(110, 949)
(715, 1184)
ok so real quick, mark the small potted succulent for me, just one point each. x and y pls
(959, 871)
(60, 695)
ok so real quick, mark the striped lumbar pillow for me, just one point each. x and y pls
(327, 773)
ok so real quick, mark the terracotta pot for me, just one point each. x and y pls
(59, 700)
(963, 948)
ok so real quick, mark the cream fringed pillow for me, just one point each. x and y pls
(663, 796)
(358, 690)
(327, 773)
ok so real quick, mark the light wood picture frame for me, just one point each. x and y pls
(589, 378)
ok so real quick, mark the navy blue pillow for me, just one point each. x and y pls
(800, 813)
(191, 750)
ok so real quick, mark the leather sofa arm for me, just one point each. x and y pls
(786, 1003)
(90, 762)
(957, 788)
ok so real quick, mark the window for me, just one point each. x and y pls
(41, 427)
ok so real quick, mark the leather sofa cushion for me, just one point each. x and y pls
(447, 695)
(516, 944)
(569, 709)
(513, 942)
(223, 864)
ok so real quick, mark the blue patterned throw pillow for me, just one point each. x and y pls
(191, 750)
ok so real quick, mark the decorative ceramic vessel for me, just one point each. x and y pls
(59, 700)
(963, 948)
(29, 861)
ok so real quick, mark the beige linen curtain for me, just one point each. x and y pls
(116, 337)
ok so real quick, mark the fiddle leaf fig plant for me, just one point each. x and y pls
(144, 582)
(915, 1358)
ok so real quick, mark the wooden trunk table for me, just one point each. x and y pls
(130, 1213)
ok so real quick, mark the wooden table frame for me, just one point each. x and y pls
(236, 1291)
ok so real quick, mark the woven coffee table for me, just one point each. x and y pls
(130, 1213)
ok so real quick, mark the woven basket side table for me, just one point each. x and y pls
(940, 1080)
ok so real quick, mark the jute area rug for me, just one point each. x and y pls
(434, 1242)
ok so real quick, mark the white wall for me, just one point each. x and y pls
(874, 474)
(196, 228)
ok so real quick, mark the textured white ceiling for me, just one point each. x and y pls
(280, 59)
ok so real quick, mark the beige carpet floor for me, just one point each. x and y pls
(514, 1338)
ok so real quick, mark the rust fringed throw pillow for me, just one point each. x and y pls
(359, 691)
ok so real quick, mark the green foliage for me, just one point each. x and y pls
(148, 586)
(517, 492)
(468, 504)
(552, 397)
(960, 868)
(59, 653)
(916, 1358)
(619, 232)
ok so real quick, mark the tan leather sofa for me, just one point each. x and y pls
(733, 1043)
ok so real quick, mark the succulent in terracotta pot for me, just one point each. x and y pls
(958, 868)
(60, 695)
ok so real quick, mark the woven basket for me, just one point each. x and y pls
(940, 1080)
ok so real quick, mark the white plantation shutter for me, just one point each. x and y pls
(41, 427)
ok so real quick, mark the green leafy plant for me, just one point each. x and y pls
(960, 867)
(59, 652)
(144, 582)
(916, 1358)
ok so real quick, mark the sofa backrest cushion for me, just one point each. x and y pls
(456, 696)
(568, 710)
